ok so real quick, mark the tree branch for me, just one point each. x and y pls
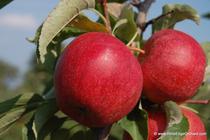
(106, 14)
(155, 19)
(143, 8)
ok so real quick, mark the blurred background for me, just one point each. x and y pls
(20, 19)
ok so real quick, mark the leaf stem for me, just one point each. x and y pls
(132, 39)
(133, 48)
(136, 50)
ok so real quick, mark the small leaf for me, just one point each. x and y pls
(177, 124)
(128, 30)
(173, 112)
(86, 25)
(135, 124)
(180, 13)
(4, 3)
(63, 14)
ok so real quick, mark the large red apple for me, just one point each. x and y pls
(157, 124)
(97, 80)
(173, 66)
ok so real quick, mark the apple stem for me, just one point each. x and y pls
(197, 101)
(106, 14)
(136, 49)
(103, 133)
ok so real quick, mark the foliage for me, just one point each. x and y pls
(37, 105)
(4, 3)
(178, 13)
(207, 15)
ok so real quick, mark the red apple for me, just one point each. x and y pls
(173, 66)
(197, 129)
(157, 124)
(97, 80)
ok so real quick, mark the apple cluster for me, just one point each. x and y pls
(98, 80)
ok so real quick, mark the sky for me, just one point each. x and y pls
(20, 19)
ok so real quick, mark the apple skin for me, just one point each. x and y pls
(173, 66)
(97, 80)
(195, 126)
(157, 124)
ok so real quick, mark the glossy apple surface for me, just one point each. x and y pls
(97, 80)
(173, 66)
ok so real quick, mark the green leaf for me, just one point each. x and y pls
(73, 131)
(61, 127)
(135, 124)
(126, 31)
(7, 120)
(118, 24)
(180, 13)
(173, 112)
(28, 100)
(4, 3)
(62, 15)
(13, 109)
(77, 26)
(28, 132)
(43, 113)
(50, 127)
(177, 124)
(116, 132)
